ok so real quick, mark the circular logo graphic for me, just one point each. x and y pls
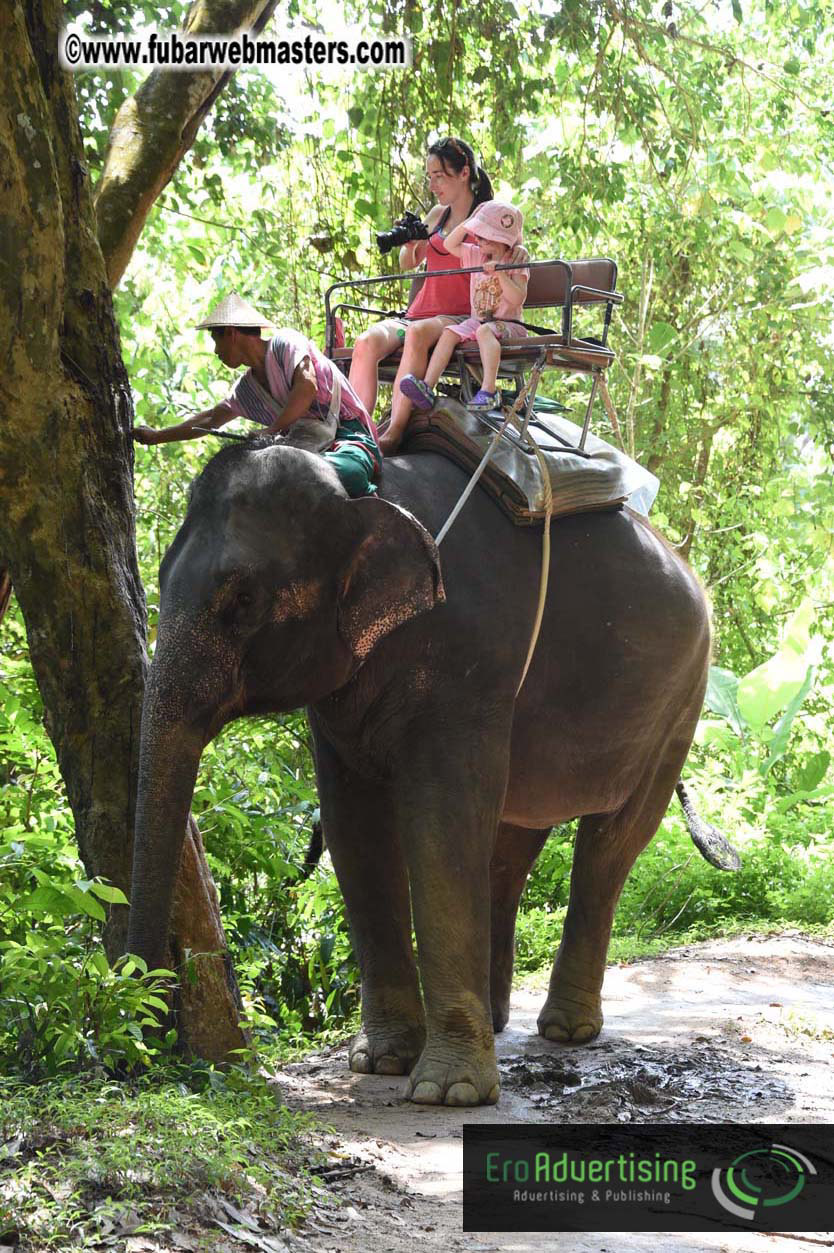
(762, 1177)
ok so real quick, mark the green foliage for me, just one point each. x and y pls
(672, 891)
(62, 1006)
(779, 686)
(537, 935)
(673, 895)
(86, 1161)
(694, 147)
(101, 96)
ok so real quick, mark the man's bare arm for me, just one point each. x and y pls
(301, 396)
(209, 419)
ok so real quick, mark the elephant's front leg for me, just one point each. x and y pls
(359, 830)
(448, 829)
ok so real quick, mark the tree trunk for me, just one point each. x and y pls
(209, 1005)
(5, 590)
(66, 492)
(155, 128)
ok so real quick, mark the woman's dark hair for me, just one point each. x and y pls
(454, 154)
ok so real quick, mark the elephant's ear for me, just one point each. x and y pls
(392, 575)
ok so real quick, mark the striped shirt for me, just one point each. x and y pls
(284, 354)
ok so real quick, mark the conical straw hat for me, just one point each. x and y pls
(233, 311)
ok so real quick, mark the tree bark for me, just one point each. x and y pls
(699, 478)
(155, 128)
(66, 490)
(208, 1005)
(5, 589)
(151, 134)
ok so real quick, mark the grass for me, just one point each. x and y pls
(186, 1155)
(86, 1160)
(539, 931)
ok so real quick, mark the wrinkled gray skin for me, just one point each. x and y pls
(438, 785)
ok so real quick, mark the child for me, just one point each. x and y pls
(496, 301)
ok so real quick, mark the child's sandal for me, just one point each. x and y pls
(418, 392)
(484, 400)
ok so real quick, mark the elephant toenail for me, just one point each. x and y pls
(462, 1094)
(426, 1093)
(360, 1064)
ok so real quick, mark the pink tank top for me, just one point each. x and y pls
(447, 294)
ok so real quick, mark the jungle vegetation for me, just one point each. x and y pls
(694, 143)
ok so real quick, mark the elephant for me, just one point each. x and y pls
(439, 780)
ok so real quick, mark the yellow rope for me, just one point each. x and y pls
(545, 570)
(512, 416)
(512, 419)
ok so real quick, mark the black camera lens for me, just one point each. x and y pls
(409, 227)
(395, 238)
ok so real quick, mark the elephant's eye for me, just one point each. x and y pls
(244, 599)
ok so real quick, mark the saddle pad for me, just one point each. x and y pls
(605, 479)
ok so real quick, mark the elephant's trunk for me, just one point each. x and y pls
(168, 762)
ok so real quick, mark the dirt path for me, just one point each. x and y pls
(732, 1031)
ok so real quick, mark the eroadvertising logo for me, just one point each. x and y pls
(686, 1177)
(767, 1177)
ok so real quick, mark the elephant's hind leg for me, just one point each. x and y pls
(369, 864)
(606, 848)
(516, 849)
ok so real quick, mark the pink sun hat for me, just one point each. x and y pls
(498, 221)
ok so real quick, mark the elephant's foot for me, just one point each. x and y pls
(570, 1015)
(439, 1080)
(391, 1050)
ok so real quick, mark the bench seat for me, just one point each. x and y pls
(581, 356)
(565, 289)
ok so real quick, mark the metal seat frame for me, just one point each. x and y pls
(556, 284)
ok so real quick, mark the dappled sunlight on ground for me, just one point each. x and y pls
(727, 1031)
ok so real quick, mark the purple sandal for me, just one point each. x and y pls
(418, 392)
(484, 400)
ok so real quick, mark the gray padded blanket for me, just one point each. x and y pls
(605, 479)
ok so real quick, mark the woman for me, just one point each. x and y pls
(459, 185)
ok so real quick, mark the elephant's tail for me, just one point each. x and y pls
(709, 842)
(314, 851)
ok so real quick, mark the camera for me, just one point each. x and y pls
(404, 230)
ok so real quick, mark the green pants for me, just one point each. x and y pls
(355, 467)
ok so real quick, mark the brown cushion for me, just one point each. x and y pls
(513, 477)
(521, 351)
